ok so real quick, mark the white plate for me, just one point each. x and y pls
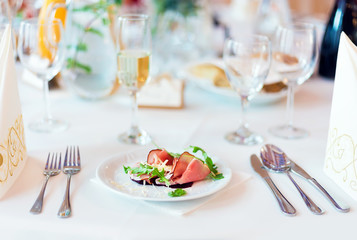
(206, 84)
(112, 175)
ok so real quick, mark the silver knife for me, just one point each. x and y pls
(302, 173)
(284, 204)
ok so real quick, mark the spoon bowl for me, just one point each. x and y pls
(276, 160)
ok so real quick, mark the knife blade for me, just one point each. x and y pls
(284, 204)
(302, 173)
(299, 170)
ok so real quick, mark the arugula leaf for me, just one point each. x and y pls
(208, 161)
(149, 170)
(177, 193)
(174, 155)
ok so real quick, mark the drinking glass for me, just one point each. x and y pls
(41, 51)
(294, 58)
(134, 57)
(247, 63)
(14, 6)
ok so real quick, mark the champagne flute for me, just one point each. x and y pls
(41, 51)
(134, 56)
(294, 58)
(247, 63)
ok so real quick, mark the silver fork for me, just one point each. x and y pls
(71, 166)
(51, 169)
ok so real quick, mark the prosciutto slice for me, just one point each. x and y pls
(159, 155)
(189, 169)
(185, 169)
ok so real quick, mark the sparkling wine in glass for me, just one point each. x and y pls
(134, 57)
(294, 59)
(41, 51)
(247, 63)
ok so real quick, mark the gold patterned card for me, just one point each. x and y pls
(12, 143)
(341, 151)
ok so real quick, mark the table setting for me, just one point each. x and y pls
(154, 151)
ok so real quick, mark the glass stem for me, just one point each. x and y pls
(244, 105)
(134, 110)
(47, 114)
(290, 104)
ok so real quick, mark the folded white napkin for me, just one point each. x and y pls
(12, 141)
(186, 207)
(340, 161)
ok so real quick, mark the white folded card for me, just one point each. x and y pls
(341, 152)
(12, 143)
(162, 92)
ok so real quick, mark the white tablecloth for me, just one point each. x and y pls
(246, 212)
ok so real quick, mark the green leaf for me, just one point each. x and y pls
(208, 161)
(105, 21)
(126, 169)
(82, 47)
(118, 2)
(174, 155)
(144, 168)
(71, 63)
(185, 7)
(177, 193)
(94, 31)
(161, 176)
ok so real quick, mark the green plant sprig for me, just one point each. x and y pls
(208, 161)
(144, 168)
(177, 193)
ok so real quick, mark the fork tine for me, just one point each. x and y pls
(55, 163)
(78, 158)
(52, 160)
(65, 158)
(70, 162)
(74, 161)
(59, 163)
(48, 159)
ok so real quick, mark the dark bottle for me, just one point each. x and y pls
(343, 18)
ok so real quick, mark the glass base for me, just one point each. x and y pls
(135, 136)
(288, 132)
(48, 126)
(244, 136)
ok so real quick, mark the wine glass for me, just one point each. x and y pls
(294, 58)
(41, 51)
(134, 57)
(247, 63)
(14, 6)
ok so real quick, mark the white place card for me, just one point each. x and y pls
(341, 151)
(12, 140)
(162, 92)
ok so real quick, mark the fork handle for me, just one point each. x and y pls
(37, 206)
(65, 209)
(309, 203)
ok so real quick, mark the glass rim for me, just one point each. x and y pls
(33, 21)
(257, 40)
(299, 26)
(133, 17)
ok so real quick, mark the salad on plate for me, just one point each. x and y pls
(174, 170)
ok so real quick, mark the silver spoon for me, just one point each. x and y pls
(275, 159)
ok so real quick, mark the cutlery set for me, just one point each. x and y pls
(71, 166)
(275, 160)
